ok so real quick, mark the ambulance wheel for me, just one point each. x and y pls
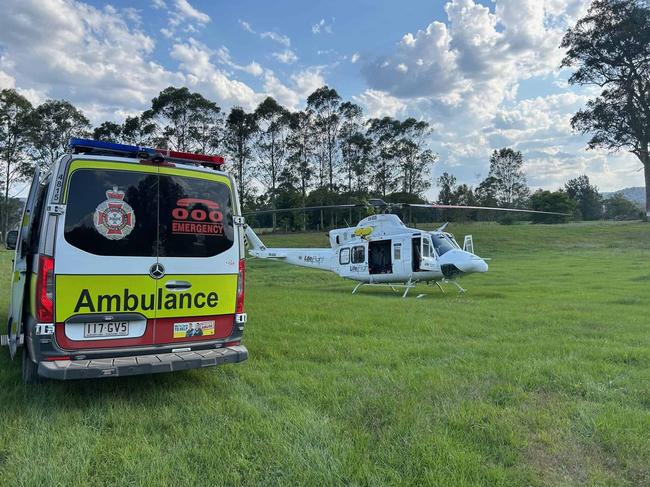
(30, 369)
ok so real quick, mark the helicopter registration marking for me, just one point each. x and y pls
(359, 268)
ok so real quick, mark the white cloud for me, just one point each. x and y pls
(204, 76)
(476, 60)
(279, 38)
(380, 104)
(223, 54)
(287, 56)
(246, 26)
(321, 27)
(301, 85)
(354, 58)
(186, 11)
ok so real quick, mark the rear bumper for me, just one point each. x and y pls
(140, 364)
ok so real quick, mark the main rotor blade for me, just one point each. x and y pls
(284, 210)
(462, 207)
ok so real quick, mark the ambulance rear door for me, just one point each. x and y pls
(105, 256)
(199, 256)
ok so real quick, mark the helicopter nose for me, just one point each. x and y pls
(469, 263)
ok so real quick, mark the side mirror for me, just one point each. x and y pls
(11, 240)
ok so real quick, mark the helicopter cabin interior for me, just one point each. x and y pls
(379, 257)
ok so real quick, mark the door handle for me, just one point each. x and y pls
(178, 285)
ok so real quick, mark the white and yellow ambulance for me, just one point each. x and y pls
(129, 261)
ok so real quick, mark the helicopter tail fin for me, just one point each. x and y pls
(253, 242)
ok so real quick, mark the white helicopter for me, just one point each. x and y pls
(382, 251)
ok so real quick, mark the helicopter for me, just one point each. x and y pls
(382, 251)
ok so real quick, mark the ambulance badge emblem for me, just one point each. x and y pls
(114, 218)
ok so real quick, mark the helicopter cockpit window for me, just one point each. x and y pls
(443, 244)
(426, 247)
(344, 256)
(358, 254)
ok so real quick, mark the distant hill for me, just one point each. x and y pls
(636, 195)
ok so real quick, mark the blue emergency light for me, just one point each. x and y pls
(98, 147)
(78, 145)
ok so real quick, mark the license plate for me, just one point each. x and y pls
(106, 329)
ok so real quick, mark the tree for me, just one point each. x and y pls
(414, 157)
(273, 123)
(557, 201)
(185, 121)
(447, 185)
(506, 167)
(240, 129)
(486, 192)
(618, 207)
(300, 147)
(15, 110)
(108, 131)
(354, 145)
(324, 103)
(588, 199)
(610, 49)
(50, 127)
(137, 131)
(382, 132)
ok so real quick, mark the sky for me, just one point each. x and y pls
(484, 74)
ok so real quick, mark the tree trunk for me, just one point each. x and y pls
(646, 170)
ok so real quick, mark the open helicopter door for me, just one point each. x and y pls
(429, 262)
(20, 274)
(468, 244)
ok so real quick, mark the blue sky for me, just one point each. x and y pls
(484, 74)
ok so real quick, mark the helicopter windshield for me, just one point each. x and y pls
(443, 243)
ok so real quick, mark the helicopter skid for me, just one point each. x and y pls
(407, 286)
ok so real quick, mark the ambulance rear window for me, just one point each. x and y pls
(129, 213)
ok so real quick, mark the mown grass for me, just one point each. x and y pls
(539, 375)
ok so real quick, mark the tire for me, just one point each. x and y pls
(30, 369)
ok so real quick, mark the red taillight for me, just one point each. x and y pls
(232, 344)
(45, 290)
(239, 308)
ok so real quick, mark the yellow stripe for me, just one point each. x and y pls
(123, 166)
(81, 294)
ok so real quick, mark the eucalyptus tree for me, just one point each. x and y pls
(50, 127)
(15, 110)
(506, 169)
(239, 133)
(271, 144)
(414, 157)
(383, 133)
(610, 49)
(185, 121)
(324, 104)
(300, 149)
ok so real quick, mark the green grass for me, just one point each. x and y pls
(539, 375)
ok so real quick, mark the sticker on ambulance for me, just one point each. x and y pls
(114, 218)
(193, 329)
(198, 217)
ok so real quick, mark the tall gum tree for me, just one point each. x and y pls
(610, 48)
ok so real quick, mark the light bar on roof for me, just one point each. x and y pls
(78, 145)
(172, 155)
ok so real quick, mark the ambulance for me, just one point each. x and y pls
(129, 260)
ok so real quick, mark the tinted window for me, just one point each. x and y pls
(195, 217)
(358, 254)
(112, 212)
(397, 252)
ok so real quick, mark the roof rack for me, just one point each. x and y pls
(98, 147)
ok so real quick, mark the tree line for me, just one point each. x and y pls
(506, 187)
(325, 153)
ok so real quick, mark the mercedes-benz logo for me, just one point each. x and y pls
(157, 270)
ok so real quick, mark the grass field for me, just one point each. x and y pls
(539, 375)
